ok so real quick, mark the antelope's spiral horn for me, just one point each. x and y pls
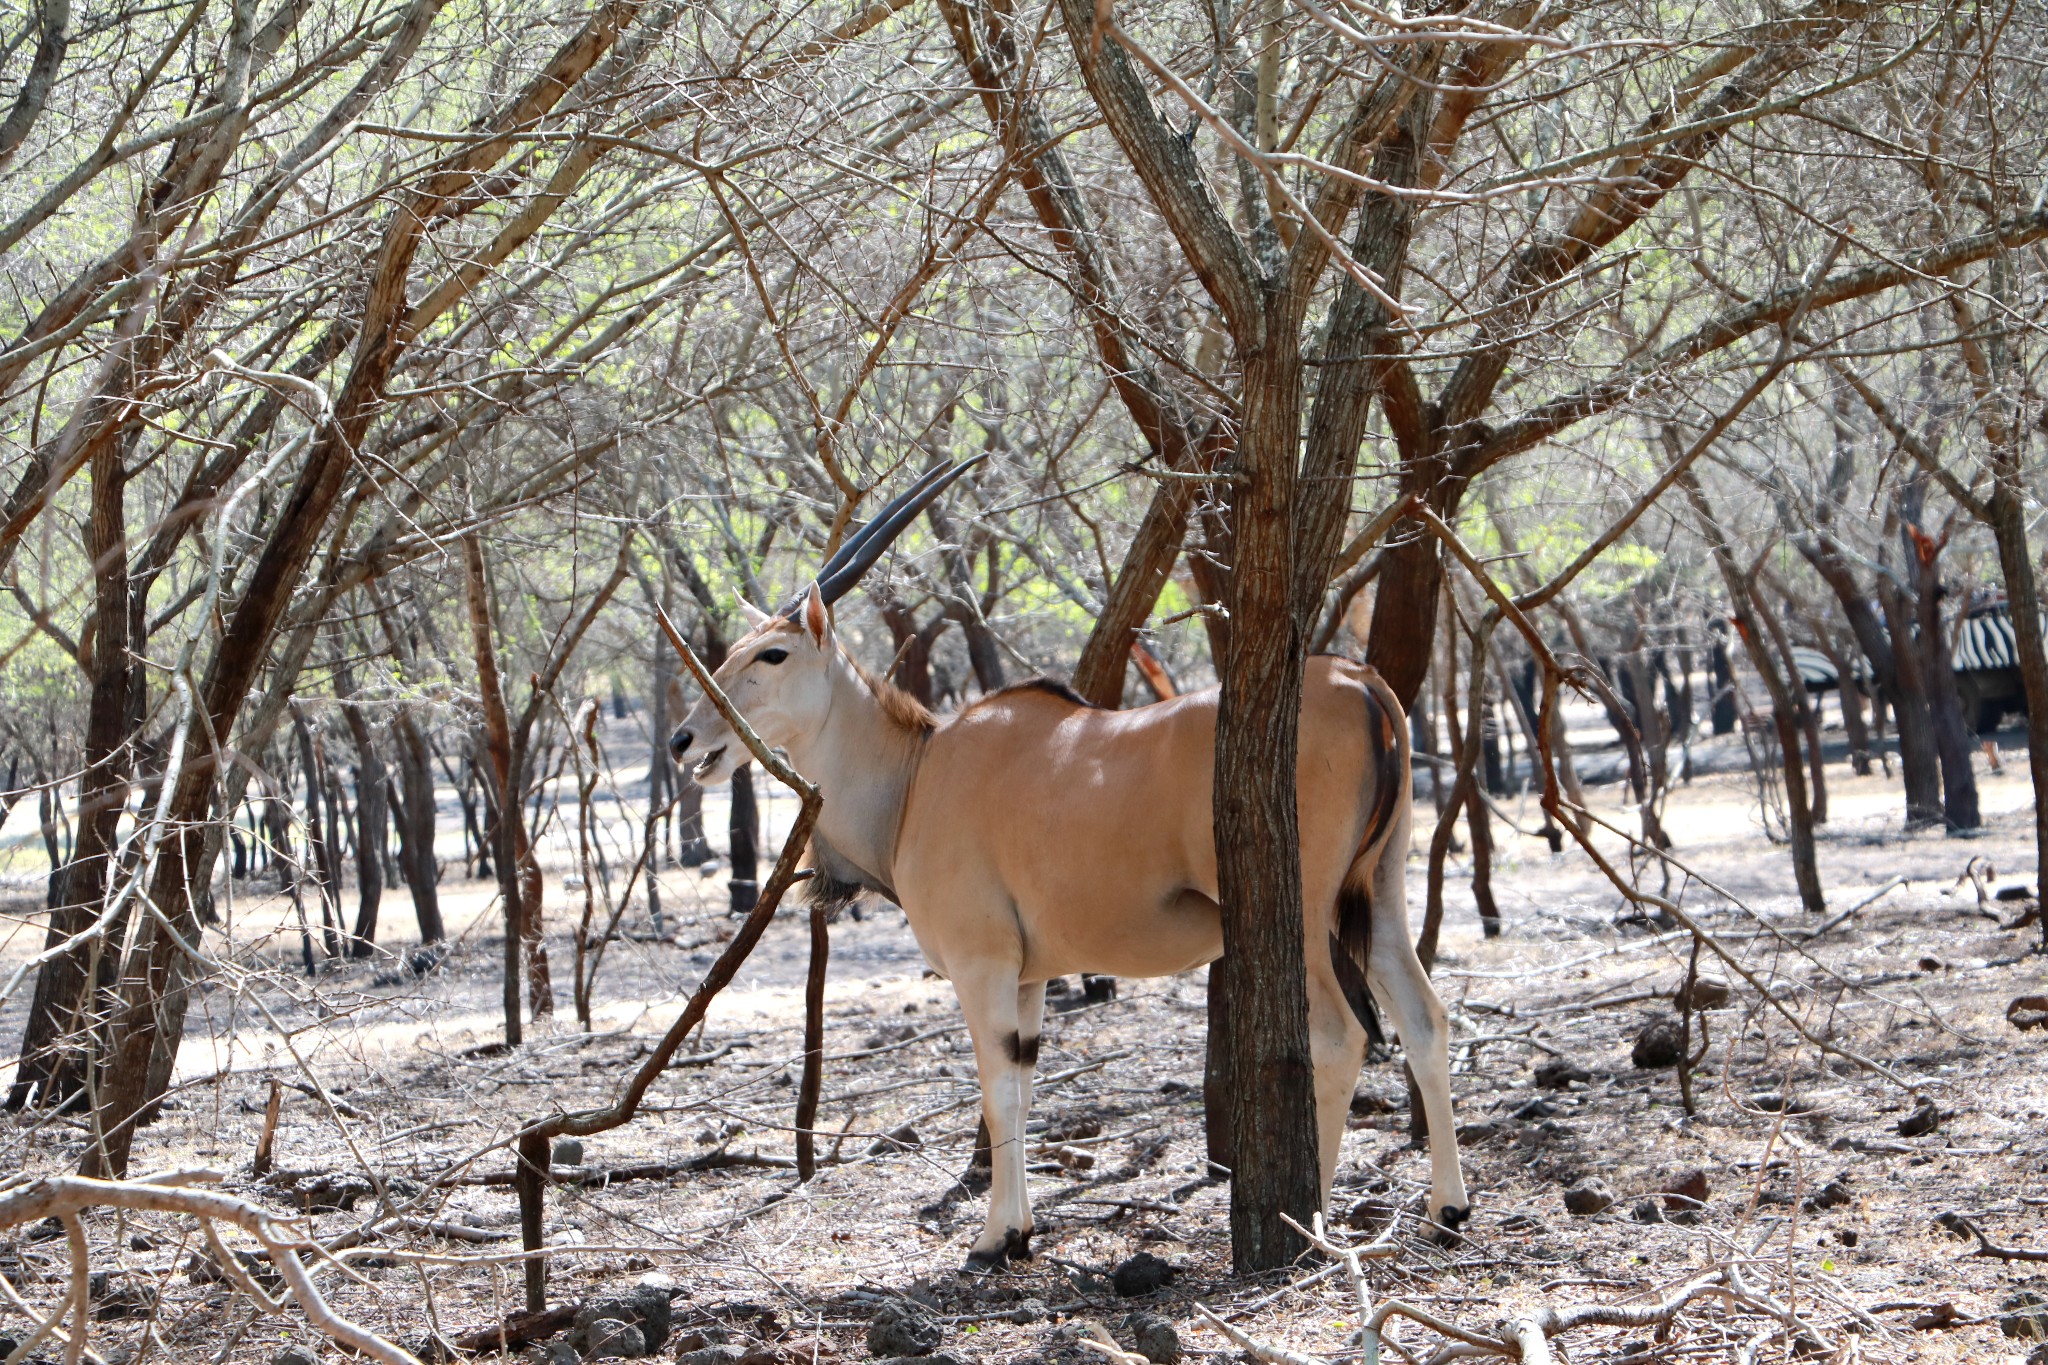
(868, 544)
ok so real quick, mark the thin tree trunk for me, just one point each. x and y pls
(506, 815)
(373, 820)
(1887, 643)
(1805, 713)
(743, 831)
(416, 810)
(320, 862)
(1742, 602)
(1951, 736)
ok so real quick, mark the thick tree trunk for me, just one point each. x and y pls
(54, 1057)
(1258, 847)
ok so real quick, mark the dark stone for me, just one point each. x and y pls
(2024, 1315)
(711, 1355)
(1588, 1198)
(895, 1140)
(568, 1152)
(1141, 1274)
(903, 1329)
(1154, 1337)
(1538, 1108)
(550, 1353)
(1924, 1119)
(1365, 1104)
(1660, 1045)
(295, 1355)
(1646, 1211)
(1028, 1311)
(1831, 1195)
(622, 1326)
(1560, 1074)
(1707, 993)
(608, 1339)
(1686, 1192)
(118, 1298)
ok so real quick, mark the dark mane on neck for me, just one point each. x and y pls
(1052, 687)
(902, 709)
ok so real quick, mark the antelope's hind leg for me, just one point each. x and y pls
(1399, 983)
(1004, 1019)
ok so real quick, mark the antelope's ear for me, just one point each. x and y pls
(815, 622)
(756, 618)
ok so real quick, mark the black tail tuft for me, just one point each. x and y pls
(1350, 949)
(1351, 944)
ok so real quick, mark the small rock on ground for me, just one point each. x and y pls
(1589, 1197)
(903, 1329)
(1659, 1045)
(550, 1353)
(295, 1355)
(1154, 1337)
(1686, 1192)
(711, 1355)
(1141, 1274)
(1560, 1074)
(1924, 1119)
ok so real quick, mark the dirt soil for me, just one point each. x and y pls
(1811, 1192)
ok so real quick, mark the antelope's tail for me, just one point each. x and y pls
(1351, 942)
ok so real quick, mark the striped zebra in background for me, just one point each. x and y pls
(1987, 664)
(1986, 661)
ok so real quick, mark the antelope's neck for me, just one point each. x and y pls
(862, 761)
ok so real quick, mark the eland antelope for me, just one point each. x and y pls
(1032, 835)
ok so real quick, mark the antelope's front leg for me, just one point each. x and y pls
(1003, 1018)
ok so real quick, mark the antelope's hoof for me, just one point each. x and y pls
(1449, 1220)
(1016, 1247)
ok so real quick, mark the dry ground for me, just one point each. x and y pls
(1918, 979)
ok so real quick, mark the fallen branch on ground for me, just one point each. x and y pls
(24, 1200)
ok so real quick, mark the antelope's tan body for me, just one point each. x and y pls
(1032, 836)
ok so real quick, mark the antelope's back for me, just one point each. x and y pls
(1064, 804)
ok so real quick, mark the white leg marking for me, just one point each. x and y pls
(991, 999)
(1399, 983)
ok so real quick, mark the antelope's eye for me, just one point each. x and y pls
(772, 656)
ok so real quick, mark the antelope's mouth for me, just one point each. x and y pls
(707, 763)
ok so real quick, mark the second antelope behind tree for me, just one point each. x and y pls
(1032, 836)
